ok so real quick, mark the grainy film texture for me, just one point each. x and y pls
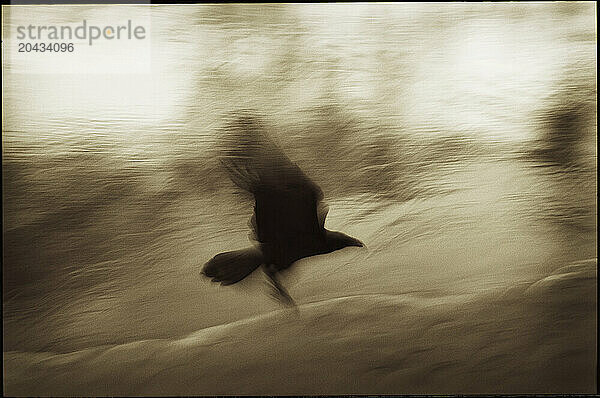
(457, 143)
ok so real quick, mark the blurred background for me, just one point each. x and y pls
(457, 141)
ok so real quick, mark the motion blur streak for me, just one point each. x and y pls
(457, 141)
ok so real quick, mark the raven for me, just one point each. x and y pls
(289, 214)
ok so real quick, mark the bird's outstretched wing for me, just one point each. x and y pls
(289, 214)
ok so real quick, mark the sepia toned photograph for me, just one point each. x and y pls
(299, 199)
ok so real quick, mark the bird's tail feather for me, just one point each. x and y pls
(231, 267)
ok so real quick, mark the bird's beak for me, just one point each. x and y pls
(358, 243)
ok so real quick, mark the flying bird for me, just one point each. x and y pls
(289, 213)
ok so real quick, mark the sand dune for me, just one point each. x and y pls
(536, 337)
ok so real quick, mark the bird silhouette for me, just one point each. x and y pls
(289, 213)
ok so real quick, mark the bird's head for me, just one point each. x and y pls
(337, 240)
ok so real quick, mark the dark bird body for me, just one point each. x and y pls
(289, 215)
